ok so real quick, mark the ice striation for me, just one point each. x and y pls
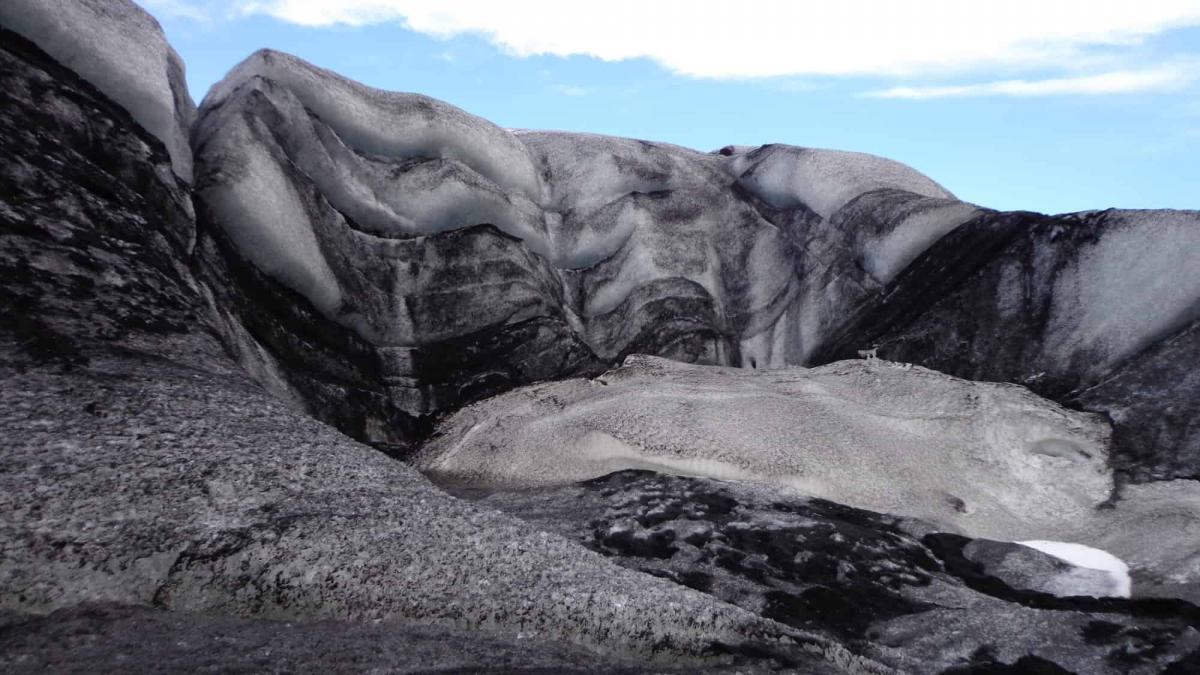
(462, 259)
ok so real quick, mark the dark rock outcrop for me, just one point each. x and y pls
(100, 638)
(919, 603)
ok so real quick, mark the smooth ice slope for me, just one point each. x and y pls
(121, 50)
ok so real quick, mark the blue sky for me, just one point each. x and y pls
(1082, 105)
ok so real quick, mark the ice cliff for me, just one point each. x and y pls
(460, 259)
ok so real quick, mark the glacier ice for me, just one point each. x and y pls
(752, 257)
(389, 124)
(1136, 285)
(120, 49)
(265, 217)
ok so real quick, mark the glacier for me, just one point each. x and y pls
(589, 248)
(627, 367)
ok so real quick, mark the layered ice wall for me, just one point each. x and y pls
(120, 49)
(457, 259)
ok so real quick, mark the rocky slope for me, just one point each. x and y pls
(188, 298)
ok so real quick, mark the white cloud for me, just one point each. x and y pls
(764, 38)
(1163, 78)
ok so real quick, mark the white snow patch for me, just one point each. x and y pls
(121, 50)
(1090, 558)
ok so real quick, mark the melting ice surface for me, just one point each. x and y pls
(1091, 558)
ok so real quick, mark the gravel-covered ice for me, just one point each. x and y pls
(988, 460)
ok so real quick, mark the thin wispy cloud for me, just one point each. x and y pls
(573, 90)
(1160, 79)
(773, 38)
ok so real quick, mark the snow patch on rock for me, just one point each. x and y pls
(1089, 558)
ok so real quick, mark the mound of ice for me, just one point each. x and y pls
(1088, 558)
(985, 459)
(121, 50)
(391, 124)
(823, 180)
